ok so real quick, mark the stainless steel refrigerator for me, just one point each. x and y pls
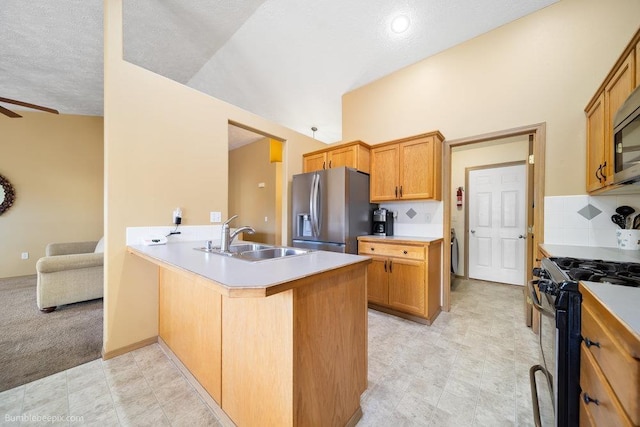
(330, 209)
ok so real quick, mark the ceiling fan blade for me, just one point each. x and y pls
(9, 113)
(26, 104)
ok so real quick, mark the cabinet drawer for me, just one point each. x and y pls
(621, 370)
(607, 411)
(391, 250)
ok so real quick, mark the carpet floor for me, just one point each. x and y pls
(33, 344)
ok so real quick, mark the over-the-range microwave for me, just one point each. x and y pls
(626, 140)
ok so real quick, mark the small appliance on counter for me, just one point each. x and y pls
(382, 222)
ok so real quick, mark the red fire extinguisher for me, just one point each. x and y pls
(459, 197)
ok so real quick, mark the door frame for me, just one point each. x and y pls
(466, 210)
(535, 193)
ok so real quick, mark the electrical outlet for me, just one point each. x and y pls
(215, 216)
(25, 255)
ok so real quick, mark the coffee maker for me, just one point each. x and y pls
(382, 222)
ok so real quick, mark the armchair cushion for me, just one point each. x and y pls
(54, 249)
(100, 246)
(52, 264)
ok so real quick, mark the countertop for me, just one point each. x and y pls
(591, 252)
(622, 301)
(234, 274)
(402, 239)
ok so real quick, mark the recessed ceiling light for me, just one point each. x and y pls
(400, 24)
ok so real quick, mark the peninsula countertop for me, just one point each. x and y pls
(262, 277)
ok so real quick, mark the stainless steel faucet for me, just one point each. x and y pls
(227, 237)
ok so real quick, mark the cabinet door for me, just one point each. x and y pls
(407, 286)
(314, 162)
(596, 142)
(199, 349)
(615, 93)
(416, 169)
(343, 157)
(384, 173)
(378, 281)
(638, 64)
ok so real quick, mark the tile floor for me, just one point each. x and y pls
(469, 368)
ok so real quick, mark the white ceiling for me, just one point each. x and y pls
(289, 61)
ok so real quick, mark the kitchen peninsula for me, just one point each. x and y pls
(276, 342)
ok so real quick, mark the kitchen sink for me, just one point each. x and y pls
(271, 253)
(256, 251)
(235, 249)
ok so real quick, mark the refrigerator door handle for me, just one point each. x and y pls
(311, 201)
(315, 213)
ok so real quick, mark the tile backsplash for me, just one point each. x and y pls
(135, 235)
(584, 220)
(416, 218)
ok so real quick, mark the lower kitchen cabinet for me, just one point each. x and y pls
(404, 277)
(609, 367)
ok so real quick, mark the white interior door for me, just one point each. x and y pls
(497, 224)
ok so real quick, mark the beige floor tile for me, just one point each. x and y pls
(95, 392)
(453, 411)
(130, 408)
(151, 418)
(11, 405)
(188, 410)
(125, 390)
(44, 391)
(55, 408)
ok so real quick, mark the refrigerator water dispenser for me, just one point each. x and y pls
(304, 225)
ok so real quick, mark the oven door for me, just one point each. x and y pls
(544, 405)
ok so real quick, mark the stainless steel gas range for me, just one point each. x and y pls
(555, 295)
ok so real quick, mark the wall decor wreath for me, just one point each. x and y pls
(7, 194)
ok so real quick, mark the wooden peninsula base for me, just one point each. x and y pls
(291, 355)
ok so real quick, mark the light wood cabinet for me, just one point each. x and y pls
(407, 169)
(609, 367)
(314, 162)
(600, 113)
(404, 276)
(638, 64)
(193, 334)
(352, 154)
(597, 159)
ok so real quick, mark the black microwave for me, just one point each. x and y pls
(626, 140)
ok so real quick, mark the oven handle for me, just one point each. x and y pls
(534, 393)
(535, 301)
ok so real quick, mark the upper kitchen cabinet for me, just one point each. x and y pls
(407, 169)
(600, 112)
(352, 154)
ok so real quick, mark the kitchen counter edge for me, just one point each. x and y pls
(400, 239)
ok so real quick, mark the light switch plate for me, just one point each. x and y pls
(215, 216)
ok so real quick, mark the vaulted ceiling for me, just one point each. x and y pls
(289, 61)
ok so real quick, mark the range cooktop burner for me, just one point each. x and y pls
(616, 273)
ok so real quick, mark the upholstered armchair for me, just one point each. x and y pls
(69, 273)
